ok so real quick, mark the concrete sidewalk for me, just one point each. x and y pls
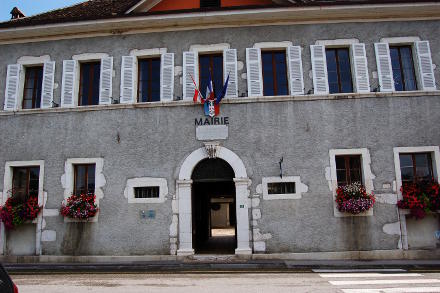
(185, 266)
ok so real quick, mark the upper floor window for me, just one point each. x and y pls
(149, 80)
(403, 68)
(25, 181)
(211, 67)
(32, 87)
(339, 70)
(416, 167)
(348, 169)
(84, 179)
(274, 73)
(209, 3)
(89, 83)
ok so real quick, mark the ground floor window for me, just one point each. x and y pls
(348, 169)
(84, 179)
(416, 167)
(25, 181)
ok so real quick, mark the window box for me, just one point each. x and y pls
(80, 207)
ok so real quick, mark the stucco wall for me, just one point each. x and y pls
(153, 142)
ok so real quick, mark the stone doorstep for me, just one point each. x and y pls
(374, 255)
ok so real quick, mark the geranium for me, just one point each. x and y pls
(354, 199)
(82, 207)
(420, 198)
(18, 210)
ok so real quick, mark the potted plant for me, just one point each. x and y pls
(354, 199)
(420, 198)
(19, 209)
(80, 207)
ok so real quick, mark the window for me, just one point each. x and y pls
(149, 80)
(339, 70)
(211, 66)
(25, 181)
(274, 73)
(89, 83)
(348, 169)
(416, 167)
(209, 3)
(281, 188)
(403, 68)
(84, 179)
(146, 192)
(32, 87)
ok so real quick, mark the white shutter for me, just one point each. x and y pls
(254, 75)
(167, 77)
(294, 62)
(230, 68)
(127, 79)
(384, 68)
(360, 65)
(12, 83)
(190, 69)
(426, 71)
(319, 68)
(47, 84)
(105, 81)
(68, 86)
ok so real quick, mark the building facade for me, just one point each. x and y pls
(98, 98)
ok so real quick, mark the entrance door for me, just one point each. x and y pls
(214, 210)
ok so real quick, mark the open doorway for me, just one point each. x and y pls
(214, 209)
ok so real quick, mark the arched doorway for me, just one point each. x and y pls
(213, 206)
(184, 198)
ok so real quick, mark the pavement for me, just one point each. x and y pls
(213, 264)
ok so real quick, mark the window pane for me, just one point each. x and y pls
(32, 87)
(422, 160)
(407, 173)
(91, 179)
(406, 160)
(274, 73)
(19, 183)
(408, 69)
(34, 176)
(344, 71)
(89, 83)
(80, 180)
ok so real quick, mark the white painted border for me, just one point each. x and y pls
(300, 188)
(146, 182)
(214, 48)
(434, 150)
(400, 40)
(184, 192)
(336, 42)
(272, 45)
(7, 185)
(27, 61)
(367, 176)
(144, 53)
(67, 180)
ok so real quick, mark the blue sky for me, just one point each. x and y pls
(30, 7)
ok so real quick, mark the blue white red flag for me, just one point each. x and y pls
(223, 92)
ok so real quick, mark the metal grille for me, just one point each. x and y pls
(146, 192)
(281, 188)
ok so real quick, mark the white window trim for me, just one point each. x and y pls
(146, 182)
(7, 185)
(139, 54)
(212, 48)
(436, 169)
(300, 188)
(83, 58)
(67, 181)
(367, 176)
(27, 61)
(273, 45)
(400, 40)
(337, 42)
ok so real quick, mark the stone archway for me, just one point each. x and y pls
(184, 189)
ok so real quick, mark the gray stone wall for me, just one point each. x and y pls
(153, 142)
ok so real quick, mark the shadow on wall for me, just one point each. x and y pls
(76, 239)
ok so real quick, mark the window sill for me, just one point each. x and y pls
(239, 100)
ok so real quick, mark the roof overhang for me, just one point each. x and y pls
(213, 19)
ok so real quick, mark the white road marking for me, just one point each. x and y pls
(383, 282)
(395, 290)
(358, 270)
(369, 275)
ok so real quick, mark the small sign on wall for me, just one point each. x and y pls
(150, 214)
(437, 235)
